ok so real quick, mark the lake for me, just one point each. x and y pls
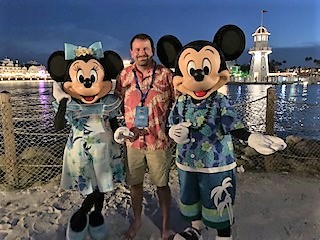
(297, 105)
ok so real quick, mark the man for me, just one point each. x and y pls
(147, 92)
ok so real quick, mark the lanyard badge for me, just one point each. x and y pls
(142, 112)
(141, 117)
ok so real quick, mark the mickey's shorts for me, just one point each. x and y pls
(208, 196)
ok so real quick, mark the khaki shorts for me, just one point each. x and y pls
(157, 161)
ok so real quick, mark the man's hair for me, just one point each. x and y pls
(142, 36)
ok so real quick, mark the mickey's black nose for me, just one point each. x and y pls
(198, 75)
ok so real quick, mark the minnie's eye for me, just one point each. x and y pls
(191, 67)
(93, 75)
(206, 66)
(80, 76)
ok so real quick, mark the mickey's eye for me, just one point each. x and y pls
(206, 66)
(80, 76)
(191, 68)
(93, 75)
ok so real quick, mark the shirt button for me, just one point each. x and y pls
(192, 155)
(193, 139)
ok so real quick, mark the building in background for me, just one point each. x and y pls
(259, 67)
(12, 71)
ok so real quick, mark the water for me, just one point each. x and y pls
(297, 109)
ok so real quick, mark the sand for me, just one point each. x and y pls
(268, 206)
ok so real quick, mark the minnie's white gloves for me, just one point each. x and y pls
(266, 144)
(121, 133)
(58, 92)
(179, 132)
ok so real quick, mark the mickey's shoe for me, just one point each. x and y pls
(72, 235)
(100, 231)
(189, 233)
(223, 238)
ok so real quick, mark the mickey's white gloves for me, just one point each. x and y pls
(180, 132)
(121, 133)
(240, 169)
(266, 144)
(58, 92)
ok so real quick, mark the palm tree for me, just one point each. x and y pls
(317, 62)
(308, 59)
(217, 193)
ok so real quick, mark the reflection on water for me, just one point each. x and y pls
(297, 109)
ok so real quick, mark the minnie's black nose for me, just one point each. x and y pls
(87, 82)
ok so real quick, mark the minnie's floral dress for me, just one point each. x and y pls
(92, 160)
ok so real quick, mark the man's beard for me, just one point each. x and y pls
(146, 61)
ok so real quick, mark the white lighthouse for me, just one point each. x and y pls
(259, 68)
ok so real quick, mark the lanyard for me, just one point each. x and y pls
(144, 95)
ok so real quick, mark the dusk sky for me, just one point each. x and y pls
(33, 29)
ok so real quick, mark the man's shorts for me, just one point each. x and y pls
(157, 161)
(208, 196)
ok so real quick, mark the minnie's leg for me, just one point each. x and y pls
(96, 218)
(78, 221)
(97, 227)
(77, 227)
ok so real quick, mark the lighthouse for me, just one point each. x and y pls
(259, 67)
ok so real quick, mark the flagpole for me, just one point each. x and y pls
(262, 12)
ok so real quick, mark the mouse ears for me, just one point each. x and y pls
(229, 38)
(113, 63)
(168, 48)
(57, 66)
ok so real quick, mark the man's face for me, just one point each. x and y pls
(141, 52)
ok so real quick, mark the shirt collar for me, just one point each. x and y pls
(134, 66)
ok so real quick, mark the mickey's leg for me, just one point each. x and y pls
(224, 234)
(97, 226)
(218, 195)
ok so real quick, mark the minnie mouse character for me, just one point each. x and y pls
(202, 124)
(92, 160)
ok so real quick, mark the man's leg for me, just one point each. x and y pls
(159, 162)
(136, 192)
(164, 195)
(135, 169)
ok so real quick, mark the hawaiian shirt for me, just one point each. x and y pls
(210, 147)
(158, 100)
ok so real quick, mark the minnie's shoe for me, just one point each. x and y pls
(99, 232)
(72, 235)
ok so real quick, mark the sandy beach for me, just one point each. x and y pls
(268, 206)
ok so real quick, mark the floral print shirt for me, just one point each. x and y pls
(159, 101)
(210, 143)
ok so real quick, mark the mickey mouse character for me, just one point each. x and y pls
(92, 160)
(202, 124)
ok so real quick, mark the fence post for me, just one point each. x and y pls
(270, 114)
(9, 139)
(271, 99)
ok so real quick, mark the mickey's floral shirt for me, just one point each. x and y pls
(159, 101)
(210, 148)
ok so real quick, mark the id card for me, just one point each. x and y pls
(141, 118)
